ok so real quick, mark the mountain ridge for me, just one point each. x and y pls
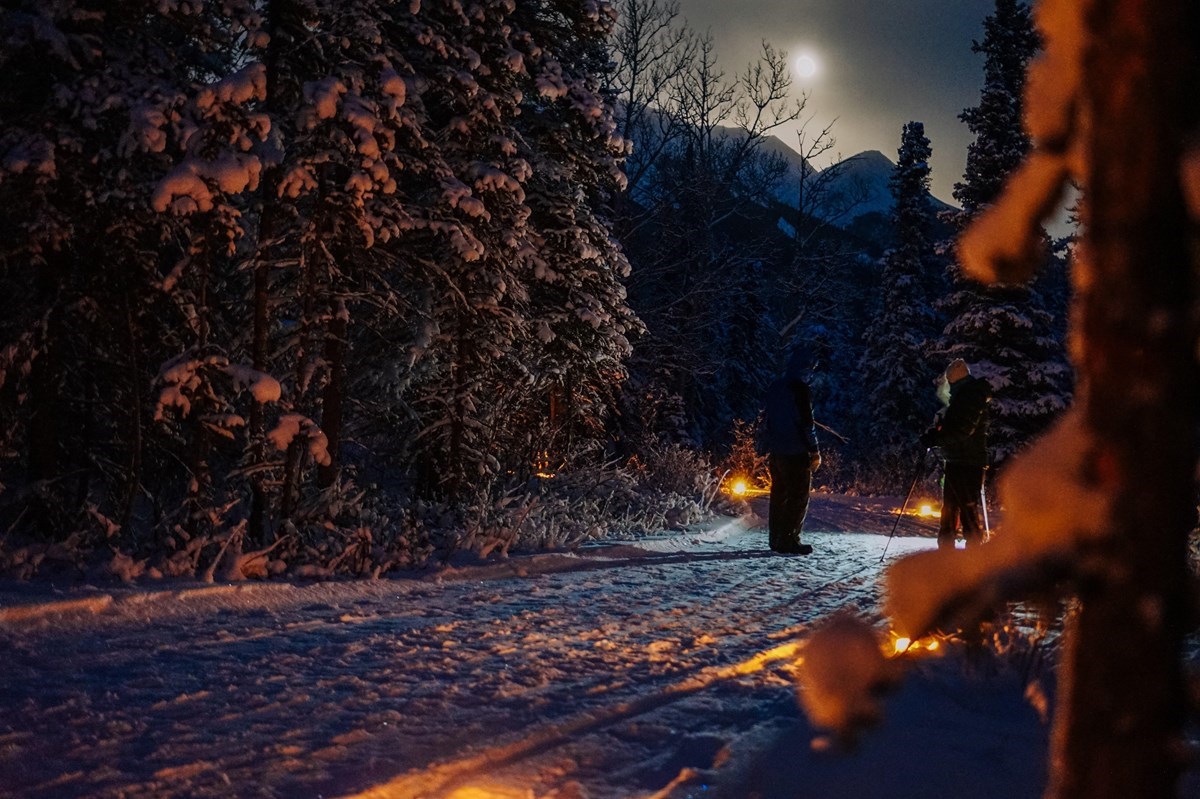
(857, 187)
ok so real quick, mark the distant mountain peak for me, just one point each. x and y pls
(872, 157)
(852, 188)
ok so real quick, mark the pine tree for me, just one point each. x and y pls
(1001, 143)
(578, 326)
(331, 202)
(1004, 332)
(518, 320)
(895, 365)
(121, 227)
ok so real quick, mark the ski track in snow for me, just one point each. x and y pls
(619, 671)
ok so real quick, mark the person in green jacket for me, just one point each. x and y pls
(959, 433)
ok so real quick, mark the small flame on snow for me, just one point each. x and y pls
(541, 466)
(902, 645)
(742, 487)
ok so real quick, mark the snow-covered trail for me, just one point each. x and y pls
(617, 672)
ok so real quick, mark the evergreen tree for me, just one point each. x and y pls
(243, 234)
(578, 325)
(1001, 143)
(526, 315)
(895, 365)
(343, 141)
(1004, 332)
(118, 236)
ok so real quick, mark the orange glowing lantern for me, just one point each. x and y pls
(738, 488)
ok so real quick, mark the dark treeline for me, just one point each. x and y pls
(320, 276)
(738, 257)
(249, 245)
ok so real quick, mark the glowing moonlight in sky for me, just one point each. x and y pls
(806, 65)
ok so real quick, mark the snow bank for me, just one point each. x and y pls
(843, 675)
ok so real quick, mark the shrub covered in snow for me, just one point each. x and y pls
(670, 491)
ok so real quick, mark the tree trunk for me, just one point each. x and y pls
(290, 489)
(45, 445)
(133, 471)
(258, 493)
(455, 476)
(278, 14)
(1118, 729)
(333, 397)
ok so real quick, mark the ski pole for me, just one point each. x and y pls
(987, 528)
(907, 497)
(832, 432)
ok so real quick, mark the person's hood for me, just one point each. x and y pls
(799, 366)
(971, 384)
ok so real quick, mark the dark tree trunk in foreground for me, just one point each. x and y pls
(1118, 729)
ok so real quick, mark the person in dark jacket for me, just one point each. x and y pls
(789, 439)
(960, 434)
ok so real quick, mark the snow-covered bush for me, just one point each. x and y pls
(674, 469)
(587, 502)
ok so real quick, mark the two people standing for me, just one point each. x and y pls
(788, 437)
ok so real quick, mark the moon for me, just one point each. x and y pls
(806, 66)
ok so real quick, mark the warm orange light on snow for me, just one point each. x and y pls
(926, 511)
(486, 792)
(742, 488)
(541, 466)
(434, 780)
(902, 645)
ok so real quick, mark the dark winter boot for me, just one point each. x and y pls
(796, 548)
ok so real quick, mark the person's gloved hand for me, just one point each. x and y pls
(814, 462)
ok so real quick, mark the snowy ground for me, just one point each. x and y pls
(662, 668)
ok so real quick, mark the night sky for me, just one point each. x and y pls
(880, 63)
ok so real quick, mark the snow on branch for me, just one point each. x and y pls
(293, 425)
(187, 379)
(844, 677)
(189, 188)
(264, 387)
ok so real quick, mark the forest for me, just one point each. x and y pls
(315, 288)
(338, 286)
